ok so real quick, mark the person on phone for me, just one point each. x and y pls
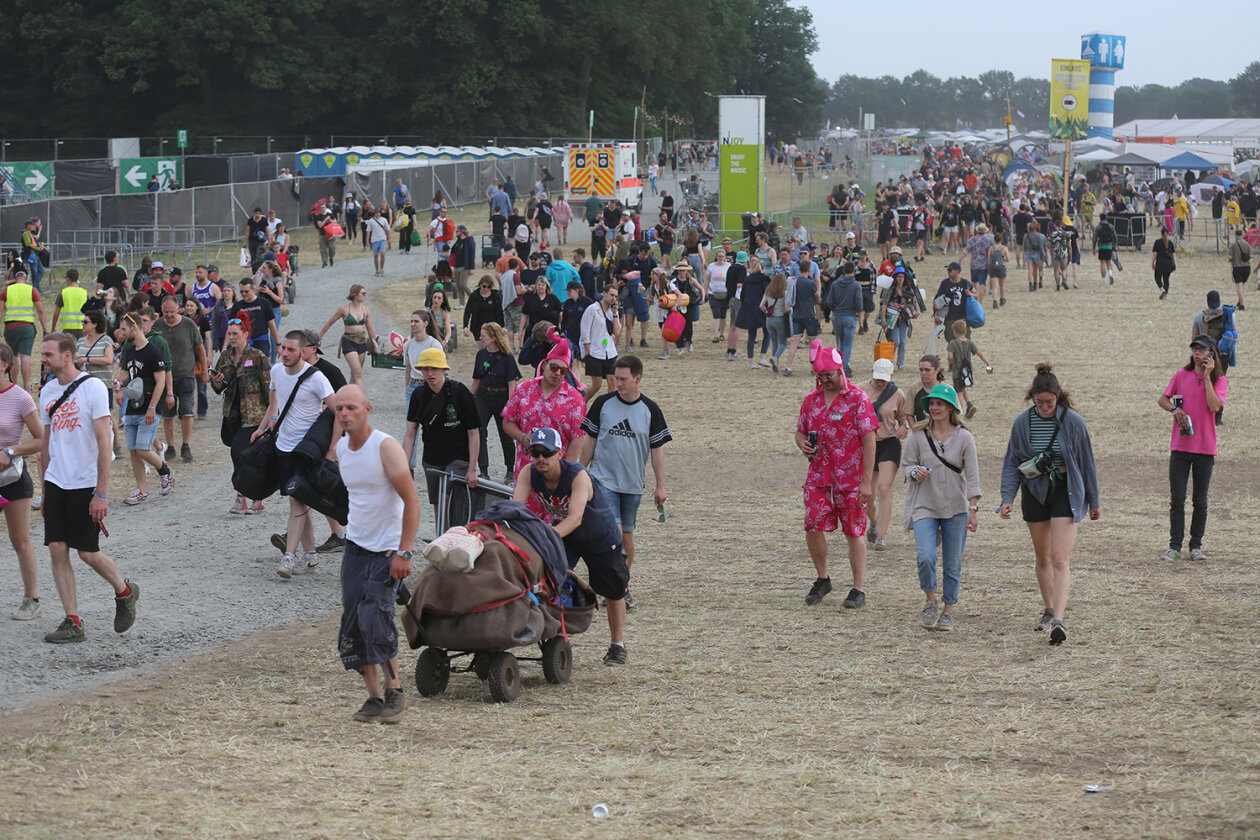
(942, 500)
(1194, 396)
(1050, 461)
(836, 431)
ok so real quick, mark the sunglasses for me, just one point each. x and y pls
(542, 453)
(554, 368)
(232, 321)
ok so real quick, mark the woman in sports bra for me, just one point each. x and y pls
(356, 321)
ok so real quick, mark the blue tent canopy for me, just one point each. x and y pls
(1188, 160)
(1015, 166)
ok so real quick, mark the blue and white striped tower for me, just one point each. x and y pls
(1105, 53)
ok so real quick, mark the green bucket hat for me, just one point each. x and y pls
(942, 392)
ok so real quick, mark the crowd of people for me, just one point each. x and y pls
(553, 327)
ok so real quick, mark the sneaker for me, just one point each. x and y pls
(37, 502)
(643, 342)
(168, 483)
(616, 655)
(310, 561)
(764, 363)
(880, 545)
(135, 498)
(927, 617)
(690, 347)
(774, 365)
(185, 452)
(66, 633)
(731, 356)
(170, 452)
(117, 449)
(788, 372)
(664, 355)
(752, 365)
(333, 544)
(30, 609)
(125, 609)
(946, 622)
(1197, 554)
(1043, 623)
(370, 711)
(1172, 554)
(393, 706)
(257, 507)
(1058, 632)
(285, 569)
(870, 536)
(279, 541)
(239, 506)
(856, 599)
(971, 410)
(818, 591)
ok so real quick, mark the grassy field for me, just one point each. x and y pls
(743, 713)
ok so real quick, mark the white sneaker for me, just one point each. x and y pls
(37, 502)
(286, 567)
(310, 560)
(30, 609)
(135, 498)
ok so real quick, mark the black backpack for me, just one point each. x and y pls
(1106, 234)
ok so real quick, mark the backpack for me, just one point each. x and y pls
(1214, 323)
(1106, 234)
(1227, 344)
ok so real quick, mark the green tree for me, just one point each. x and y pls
(776, 64)
(1245, 90)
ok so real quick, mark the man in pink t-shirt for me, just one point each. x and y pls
(1194, 396)
(547, 402)
(841, 421)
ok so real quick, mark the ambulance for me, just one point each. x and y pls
(606, 170)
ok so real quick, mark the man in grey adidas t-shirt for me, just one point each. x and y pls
(623, 431)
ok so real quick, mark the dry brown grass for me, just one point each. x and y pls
(743, 713)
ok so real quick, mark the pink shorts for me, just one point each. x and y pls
(827, 508)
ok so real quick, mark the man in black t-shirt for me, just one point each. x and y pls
(263, 333)
(112, 276)
(444, 414)
(955, 291)
(256, 236)
(142, 360)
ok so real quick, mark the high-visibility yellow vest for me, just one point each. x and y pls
(19, 303)
(72, 300)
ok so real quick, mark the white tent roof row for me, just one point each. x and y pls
(1222, 130)
(471, 152)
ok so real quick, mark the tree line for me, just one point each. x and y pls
(923, 100)
(439, 69)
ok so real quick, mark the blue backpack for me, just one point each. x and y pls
(1228, 343)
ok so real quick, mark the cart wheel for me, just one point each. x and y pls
(481, 666)
(557, 660)
(433, 670)
(505, 681)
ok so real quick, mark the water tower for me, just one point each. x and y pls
(1105, 53)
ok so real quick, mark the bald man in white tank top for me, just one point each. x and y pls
(380, 532)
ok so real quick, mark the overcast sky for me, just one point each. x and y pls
(873, 39)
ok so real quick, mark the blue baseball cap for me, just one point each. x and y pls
(953, 267)
(549, 439)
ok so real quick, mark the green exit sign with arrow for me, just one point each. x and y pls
(134, 174)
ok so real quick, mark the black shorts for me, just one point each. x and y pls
(1104, 253)
(888, 449)
(599, 367)
(348, 346)
(606, 567)
(67, 520)
(1056, 505)
(1241, 273)
(185, 388)
(23, 488)
(868, 299)
(718, 306)
(286, 466)
(431, 479)
(368, 634)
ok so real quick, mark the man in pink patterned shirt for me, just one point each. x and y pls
(548, 402)
(841, 419)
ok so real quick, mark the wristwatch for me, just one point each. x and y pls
(406, 555)
(8, 451)
(974, 508)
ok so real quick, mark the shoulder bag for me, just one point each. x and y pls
(255, 474)
(932, 444)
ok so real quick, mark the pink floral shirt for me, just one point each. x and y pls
(837, 460)
(563, 411)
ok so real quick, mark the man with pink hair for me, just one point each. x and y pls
(836, 431)
(546, 402)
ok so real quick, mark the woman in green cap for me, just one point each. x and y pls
(942, 500)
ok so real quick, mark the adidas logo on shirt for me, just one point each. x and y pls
(622, 428)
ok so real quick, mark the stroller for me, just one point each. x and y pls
(518, 594)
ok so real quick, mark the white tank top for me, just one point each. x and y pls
(376, 510)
